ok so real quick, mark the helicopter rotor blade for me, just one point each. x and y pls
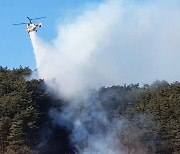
(30, 21)
(37, 18)
(29, 18)
(21, 23)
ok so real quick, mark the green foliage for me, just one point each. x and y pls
(23, 109)
(163, 104)
(151, 114)
(116, 99)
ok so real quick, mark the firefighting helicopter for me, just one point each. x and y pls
(31, 26)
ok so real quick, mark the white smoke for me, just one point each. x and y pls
(118, 42)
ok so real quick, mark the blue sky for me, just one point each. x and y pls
(15, 47)
(142, 45)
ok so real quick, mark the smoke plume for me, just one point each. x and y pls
(118, 42)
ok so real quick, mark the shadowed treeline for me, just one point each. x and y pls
(148, 116)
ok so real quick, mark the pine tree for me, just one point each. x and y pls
(17, 135)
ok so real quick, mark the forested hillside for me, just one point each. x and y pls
(24, 109)
(162, 103)
(151, 116)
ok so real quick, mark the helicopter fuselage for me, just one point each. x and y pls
(32, 27)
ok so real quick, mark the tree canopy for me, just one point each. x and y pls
(151, 113)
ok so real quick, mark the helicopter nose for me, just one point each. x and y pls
(40, 24)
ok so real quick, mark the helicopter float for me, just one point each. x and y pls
(31, 26)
